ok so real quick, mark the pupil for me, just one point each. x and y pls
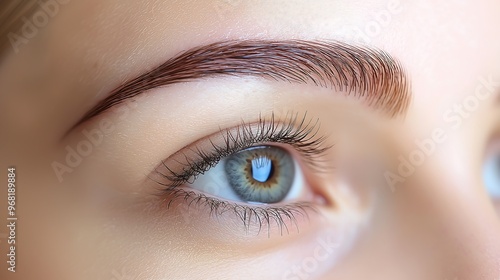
(262, 169)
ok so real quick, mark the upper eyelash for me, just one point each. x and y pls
(298, 134)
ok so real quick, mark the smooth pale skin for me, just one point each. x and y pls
(439, 224)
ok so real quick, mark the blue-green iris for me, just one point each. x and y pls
(261, 174)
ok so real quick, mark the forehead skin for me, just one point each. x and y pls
(434, 41)
(90, 47)
(79, 45)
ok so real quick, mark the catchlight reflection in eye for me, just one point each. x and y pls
(262, 174)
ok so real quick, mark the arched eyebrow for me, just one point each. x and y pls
(366, 73)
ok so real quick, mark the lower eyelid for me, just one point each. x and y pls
(279, 218)
(253, 218)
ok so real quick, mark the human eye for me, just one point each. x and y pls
(491, 171)
(491, 174)
(259, 173)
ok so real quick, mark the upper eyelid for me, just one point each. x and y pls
(312, 144)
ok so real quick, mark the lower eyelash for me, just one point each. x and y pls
(262, 217)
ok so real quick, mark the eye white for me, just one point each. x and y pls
(215, 183)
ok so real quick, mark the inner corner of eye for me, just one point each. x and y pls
(265, 174)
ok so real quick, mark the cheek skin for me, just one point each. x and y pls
(176, 236)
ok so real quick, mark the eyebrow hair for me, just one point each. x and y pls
(365, 73)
